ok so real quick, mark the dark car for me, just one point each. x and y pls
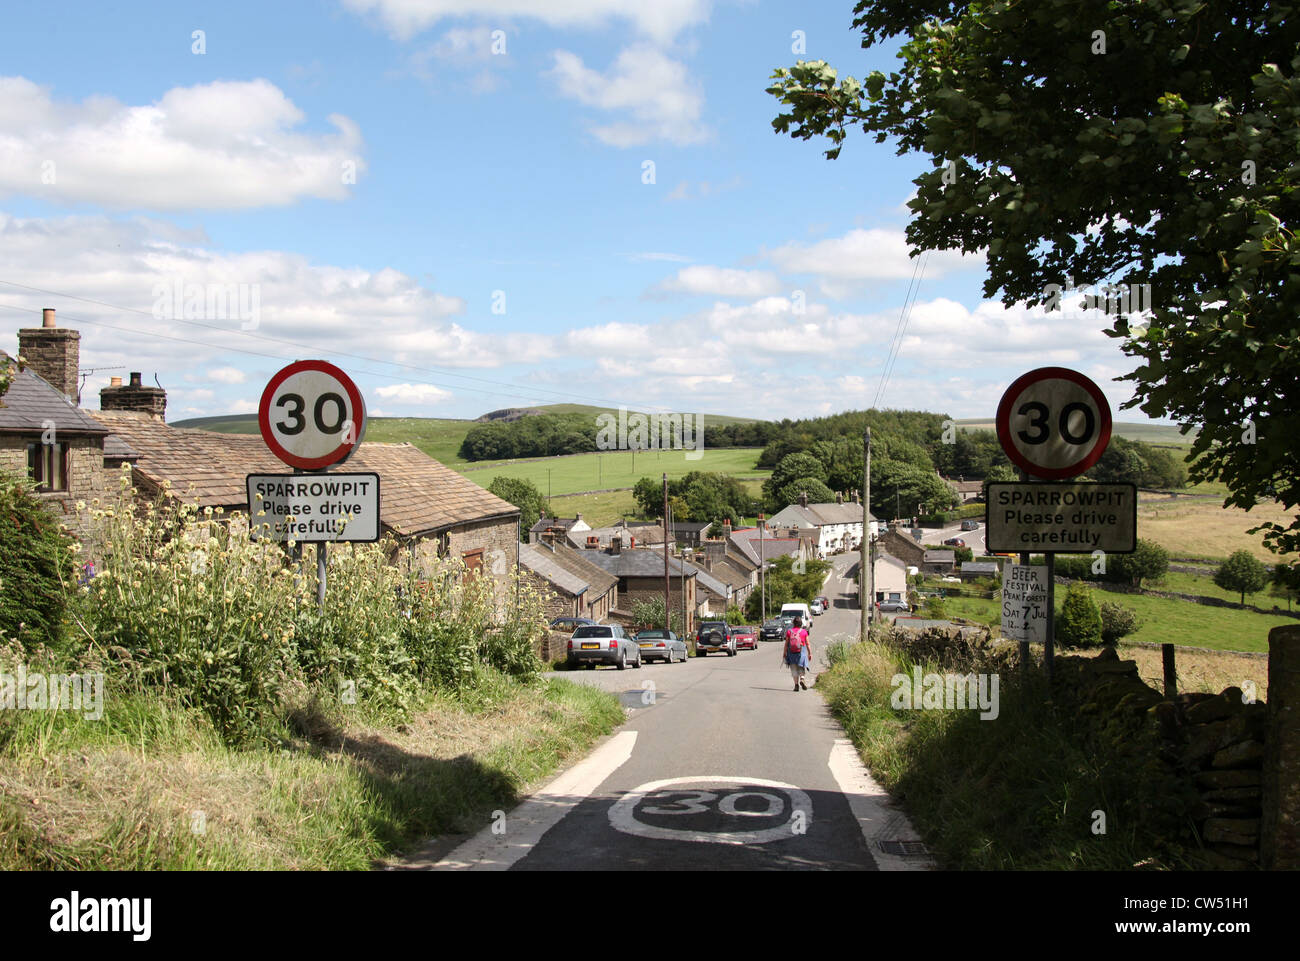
(955, 542)
(714, 636)
(970, 525)
(773, 630)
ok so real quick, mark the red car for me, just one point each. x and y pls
(746, 638)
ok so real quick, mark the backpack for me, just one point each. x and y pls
(796, 638)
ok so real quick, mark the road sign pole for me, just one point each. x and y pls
(1049, 644)
(322, 563)
(1025, 653)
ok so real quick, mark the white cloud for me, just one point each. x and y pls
(659, 19)
(653, 91)
(227, 375)
(421, 394)
(218, 145)
(875, 254)
(721, 282)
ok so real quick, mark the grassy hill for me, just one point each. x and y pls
(1163, 435)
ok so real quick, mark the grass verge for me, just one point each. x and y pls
(1015, 792)
(151, 786)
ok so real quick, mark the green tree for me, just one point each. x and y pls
(1149, 562)
(818, 493)
(1286, 583)
(1116, 622)
(1079, 624)
(523, 494)
(1243, 573)
(792, 467)
(1093, 142)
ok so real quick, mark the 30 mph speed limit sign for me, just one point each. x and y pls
(312, 415)
(1054, 423)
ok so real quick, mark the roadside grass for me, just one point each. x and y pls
(151, 786)
(1198, 671)
(1162, 620)
(616, 468)
(1015, 792)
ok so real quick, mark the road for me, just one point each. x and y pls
(720, 765)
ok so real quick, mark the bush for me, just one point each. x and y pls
(1241, 573)
(36, 566)
(1080, 620)
(187, 602)
(1149, 562)
(1116, 622)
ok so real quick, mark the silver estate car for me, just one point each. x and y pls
(661, 645)
(594, 644)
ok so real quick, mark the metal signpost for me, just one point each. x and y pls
(313, 417)
(1054, 423)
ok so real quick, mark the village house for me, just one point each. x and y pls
(556, 525)
(423, 504)
(837, 527)
(576, 587)
(938, 562)
(968, 490)
(640, 574)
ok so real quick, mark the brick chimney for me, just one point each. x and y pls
(54, 353)
(134, 398)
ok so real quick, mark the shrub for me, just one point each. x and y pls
(1116, 622)
(1080, 620)
(36, 566)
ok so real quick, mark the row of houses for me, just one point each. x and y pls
(74, 454)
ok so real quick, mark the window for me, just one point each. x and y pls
(473, 562)
(47, 465)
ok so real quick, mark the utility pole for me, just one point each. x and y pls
(866, 580)
(668, 626)
(762, 568)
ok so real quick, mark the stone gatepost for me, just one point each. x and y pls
(1280, 821)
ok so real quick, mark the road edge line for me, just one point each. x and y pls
(875, 811)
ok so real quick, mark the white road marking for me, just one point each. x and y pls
(873, 808)
(622, 816)
(525, 825)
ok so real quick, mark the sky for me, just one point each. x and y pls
(476, 204)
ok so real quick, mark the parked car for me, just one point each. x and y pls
(970, 525)
(593, 644)
(894, 607)
(714, 636)
(955, 542)
(800, 610)
(746, 637)
(773, 630)
(817, 607)
(660, 645)
(571, 624)
(826, 602)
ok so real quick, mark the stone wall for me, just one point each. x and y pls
(85, 479)
(53, 353)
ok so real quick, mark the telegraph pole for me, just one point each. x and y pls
(866, 578)
(667, 607)
(762, 568)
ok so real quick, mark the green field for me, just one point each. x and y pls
(1162, 435)
(575, 473)
(1162, 620)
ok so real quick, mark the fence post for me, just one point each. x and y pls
(1280, 820)
(1171, 671)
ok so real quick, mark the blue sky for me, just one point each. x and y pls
(449, 199)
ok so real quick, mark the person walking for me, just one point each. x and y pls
(797, 653)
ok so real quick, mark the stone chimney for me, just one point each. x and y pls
(803, 499)
(726, 530)
(548, 539)
(616, 545)
(54, 353)
(855, 495)
(839, 498)
(134, 397)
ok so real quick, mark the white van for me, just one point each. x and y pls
(798, 610)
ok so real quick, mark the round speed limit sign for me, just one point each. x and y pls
(312, 415)
(1054, 423)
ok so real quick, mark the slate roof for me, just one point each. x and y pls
(30, 402)
(819, 515)
(979, 567)
(575, 563)
(552, 523)
(939, 557)
(418, 495)
(748, 541)
(542, 563)
(637, 563)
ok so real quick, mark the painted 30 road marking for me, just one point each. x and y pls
(623, 814)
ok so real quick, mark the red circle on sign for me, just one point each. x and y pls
(1014, 392)
(340, 453)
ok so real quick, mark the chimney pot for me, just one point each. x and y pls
(135, 379)
(47, 317)
(115, 382)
